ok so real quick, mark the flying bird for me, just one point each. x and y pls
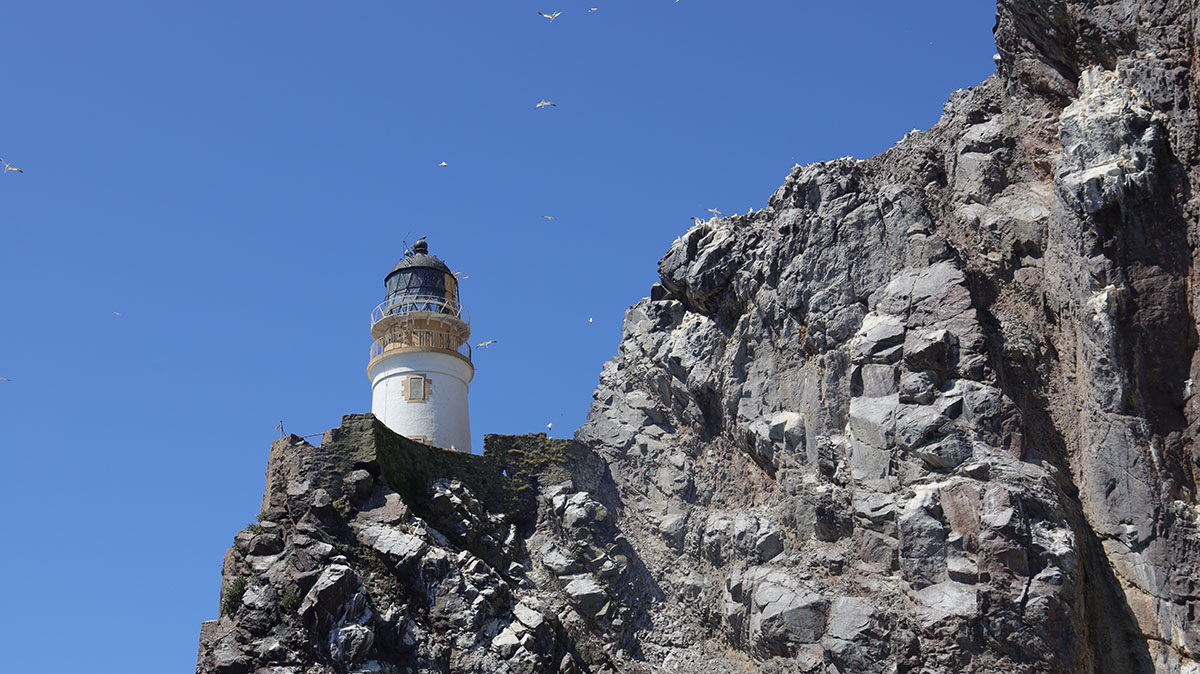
(549, 426)
(443, 164)
(116, 313)
(552, 17)
(10, 167)
(592, 9)
(589, 319)
(5, 379)
(545, 103)
(484, 345)
(714, 212)
(549, 217)
(461, 275)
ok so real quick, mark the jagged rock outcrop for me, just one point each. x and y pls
(374, 553)
(931, 411)
(958, 376)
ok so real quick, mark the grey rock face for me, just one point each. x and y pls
(986, 335)
(930, 411)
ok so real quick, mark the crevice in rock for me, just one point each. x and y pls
(1106, 619)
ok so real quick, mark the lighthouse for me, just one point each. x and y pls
(420, 367)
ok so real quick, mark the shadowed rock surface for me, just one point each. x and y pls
(931, 411)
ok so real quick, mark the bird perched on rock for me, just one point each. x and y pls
(544, 104)
(484, 345)
(552, 17)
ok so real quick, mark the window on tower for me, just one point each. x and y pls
(416, 388)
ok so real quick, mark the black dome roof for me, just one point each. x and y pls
(419, 257)
(419, 260)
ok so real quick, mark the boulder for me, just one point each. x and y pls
(878, 380)
(946, 453)
(350, 644)
(916, 424)
(876, 339)
(869, 464)
(929, 349)
(530, 617)
(672, 529)
(786, 430)
(265, 544)
(922, 540)
(768, 546)
(782, 618)
(321, 500)
(715, 543)
(873, 420)
(357, 485)
(917, 387)
(850, 640)
(227, 658)
(587, 595)
(400, 547)
(384, 506)
(506, 643)
(944, 601)
(334, 587)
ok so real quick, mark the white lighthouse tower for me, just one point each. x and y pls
(420, 364)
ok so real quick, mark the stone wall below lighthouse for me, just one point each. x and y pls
(423, 396)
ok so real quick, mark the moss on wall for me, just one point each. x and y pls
(530, 461)
(505, 479)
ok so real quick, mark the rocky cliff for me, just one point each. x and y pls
(931, 411)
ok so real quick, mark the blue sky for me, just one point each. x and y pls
(235, 179)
